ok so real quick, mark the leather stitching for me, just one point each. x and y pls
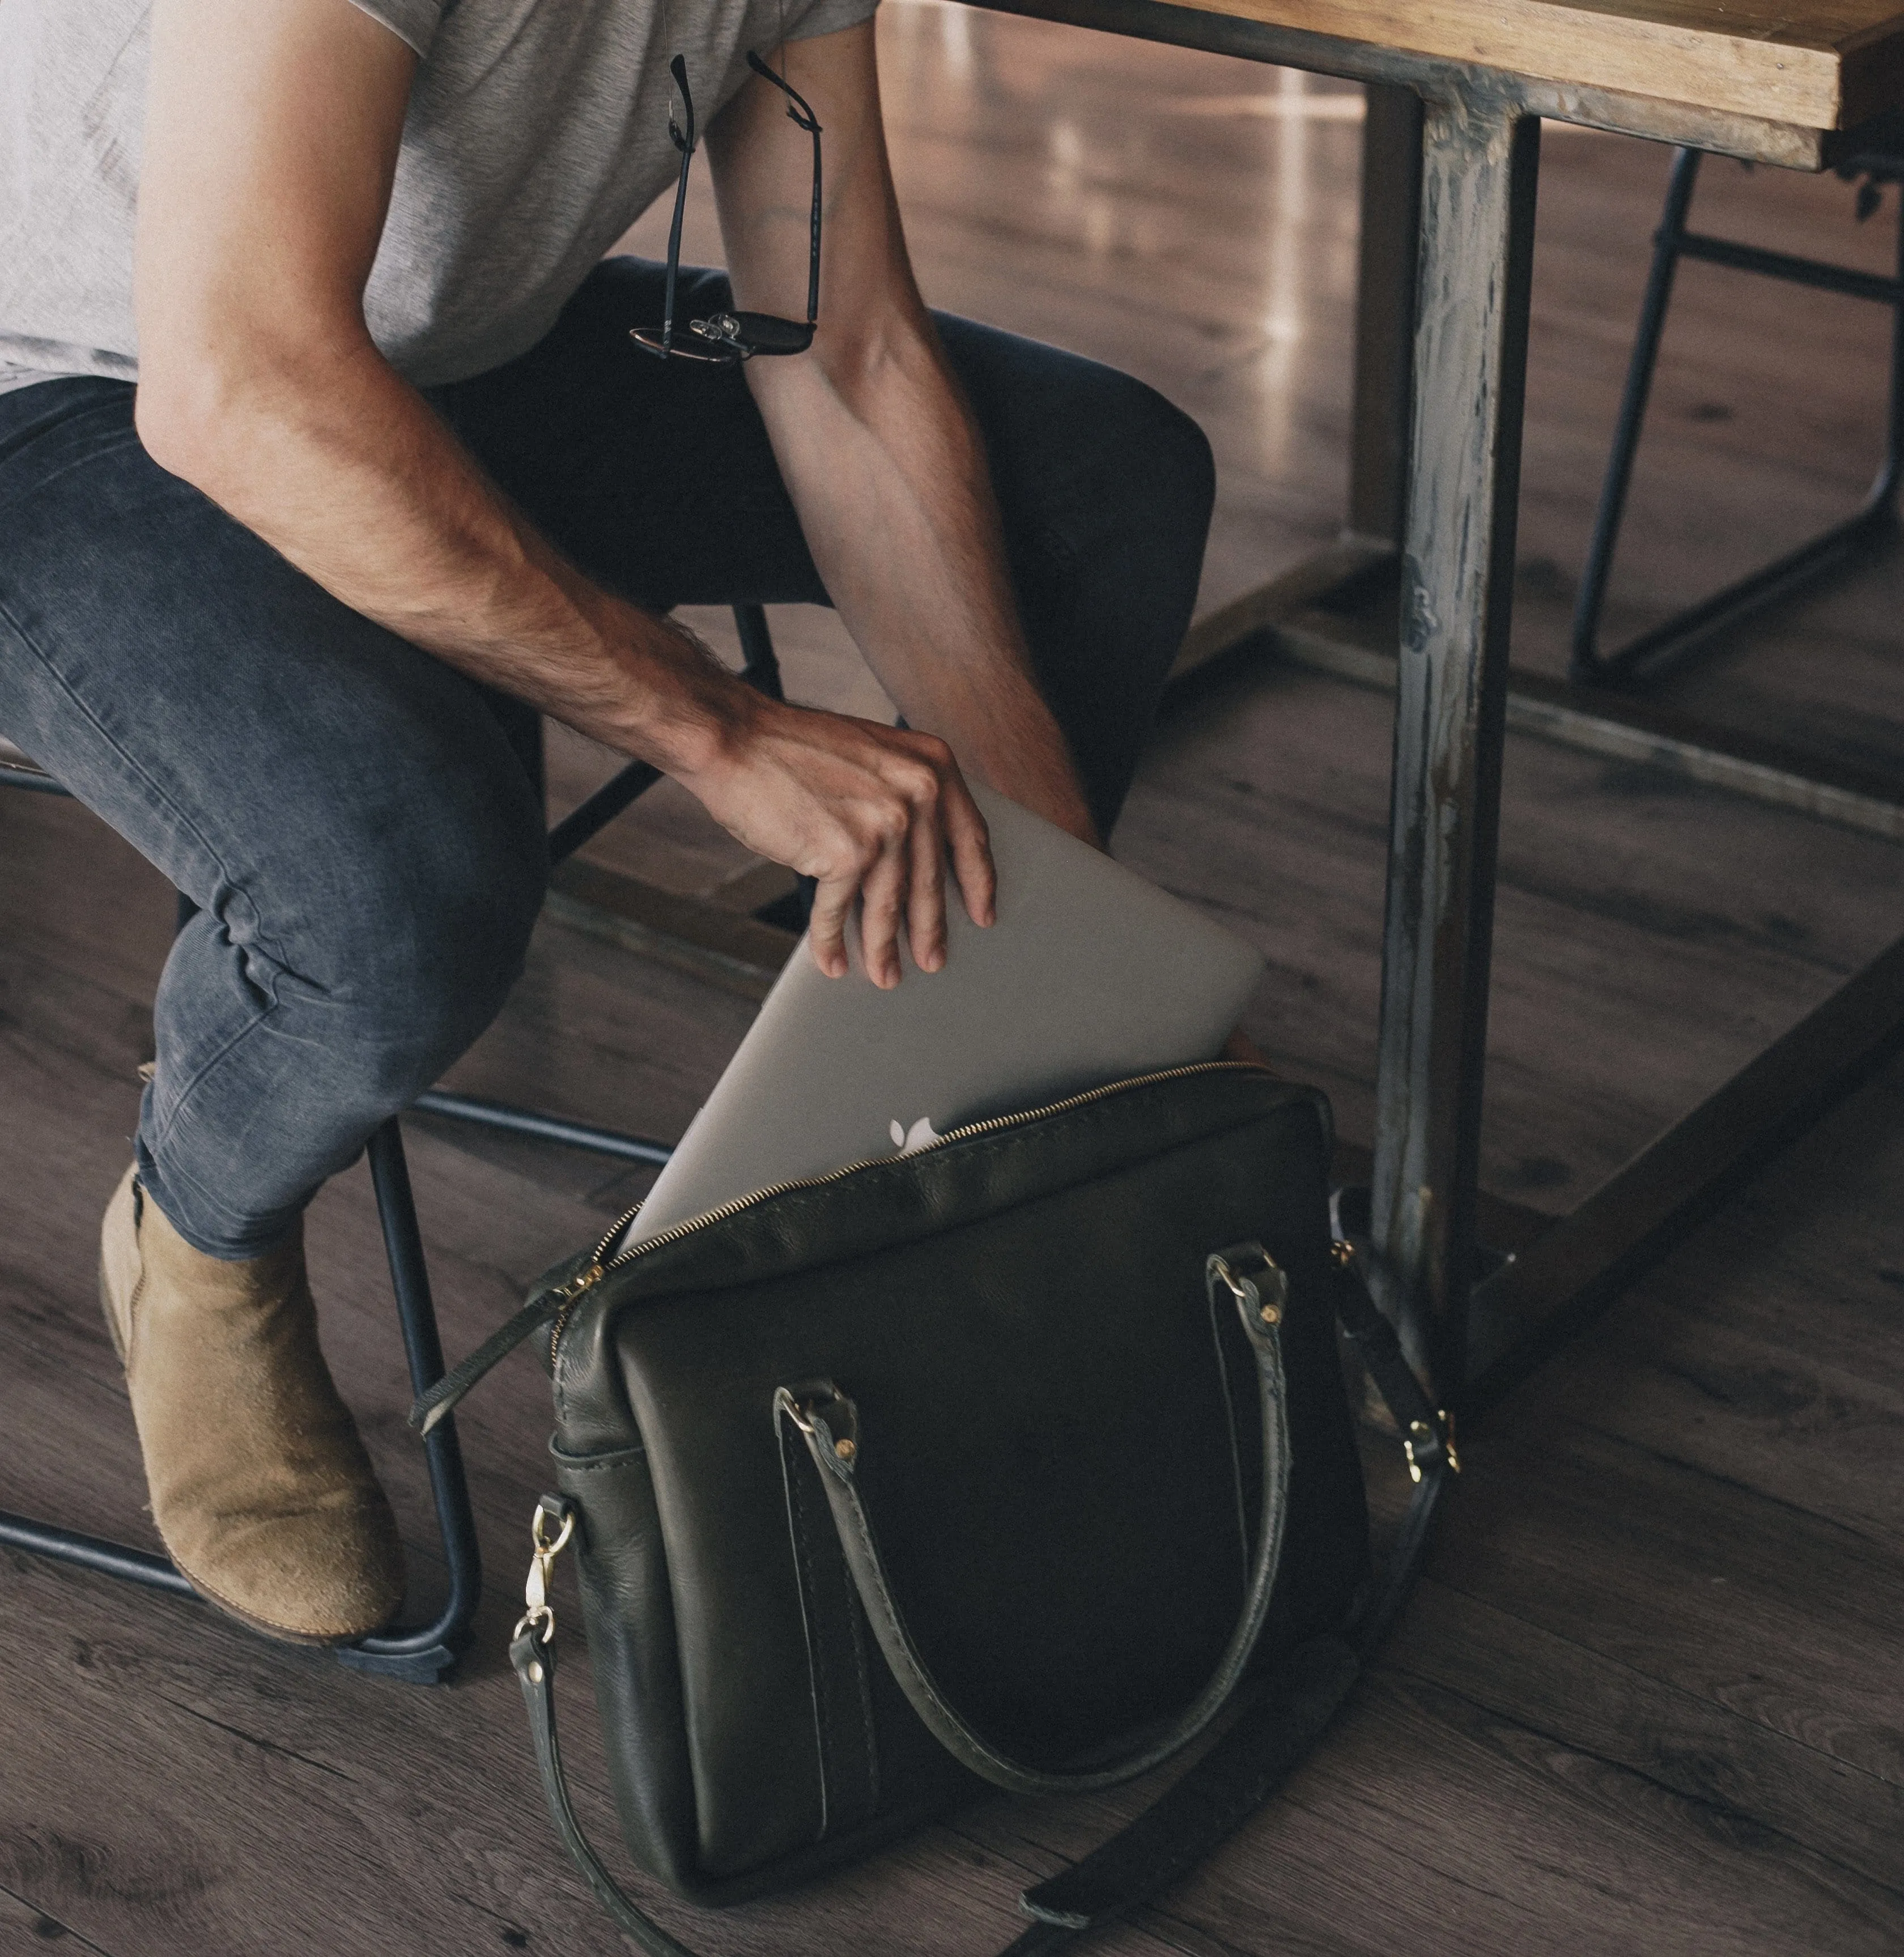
(865, 1681)
(1230, 1426)
(798, 1526)
(595, 1464)
(843, 1803)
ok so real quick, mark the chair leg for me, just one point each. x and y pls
(601, 808)
(1874, 522)
(91, 1552)
(582, 1135)
(1890, 477)
(423, 1654)
(1587, 664)
(762, 671)
(761, 666)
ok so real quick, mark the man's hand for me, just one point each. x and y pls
(271, 144)
(871, 812)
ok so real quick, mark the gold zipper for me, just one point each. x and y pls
(595, 1270)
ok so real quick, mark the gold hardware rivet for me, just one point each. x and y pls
(535, 1671)
(1341, 1254)
(1270, 1315)
(845, 1449)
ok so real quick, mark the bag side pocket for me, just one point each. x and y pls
(629, 1613)
(846, 1734)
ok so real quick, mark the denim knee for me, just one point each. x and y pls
(424, 962)
(1161, 487)
(294, 1019)
(373, 955)
(1107, 572)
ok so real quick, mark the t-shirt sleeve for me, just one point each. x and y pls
(415, 21)
(827, 17)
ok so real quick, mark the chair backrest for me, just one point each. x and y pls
(1875, 150)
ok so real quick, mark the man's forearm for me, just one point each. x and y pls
(349, 474)
(889, 475)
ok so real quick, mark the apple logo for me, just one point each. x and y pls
(908, 1141)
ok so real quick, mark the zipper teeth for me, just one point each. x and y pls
(733, 1207)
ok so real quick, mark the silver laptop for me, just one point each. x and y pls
(1090, 974)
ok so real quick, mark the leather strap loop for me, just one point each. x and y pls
(429, 1407)
(828, 1422)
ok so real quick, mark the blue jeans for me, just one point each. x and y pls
(356, 821)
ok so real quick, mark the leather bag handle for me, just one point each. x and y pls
(1245, 1276)
(1284, 1716)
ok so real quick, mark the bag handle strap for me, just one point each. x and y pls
(1244, 1276)
(1286, 1713)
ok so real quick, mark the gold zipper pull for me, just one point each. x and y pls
(584, 1280)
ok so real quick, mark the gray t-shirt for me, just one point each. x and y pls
(537, 132)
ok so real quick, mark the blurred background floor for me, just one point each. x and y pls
(1649, 1698)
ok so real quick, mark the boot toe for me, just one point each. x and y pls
(326, 1576)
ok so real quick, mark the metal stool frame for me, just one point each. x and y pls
(420, 1654)
(1876, 521)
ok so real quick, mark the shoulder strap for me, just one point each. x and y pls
(534, 1656)
(1286, 1714)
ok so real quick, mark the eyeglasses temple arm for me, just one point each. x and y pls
(813, 262)
(799, 111)
(678, 67)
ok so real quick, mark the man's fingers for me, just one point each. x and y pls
(827, 928)
(926, 897)
(871, 812)
(971, 846)
(882, 904)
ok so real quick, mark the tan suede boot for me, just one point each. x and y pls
(261, 1486)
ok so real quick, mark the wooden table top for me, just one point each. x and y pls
(1810, 63)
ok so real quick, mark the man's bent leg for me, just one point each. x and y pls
(367, 858)
(1105, 490)
(363, 844)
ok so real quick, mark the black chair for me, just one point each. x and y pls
(422, 1653)
(1873, 156)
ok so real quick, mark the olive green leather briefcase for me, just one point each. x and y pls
(1020, 1461)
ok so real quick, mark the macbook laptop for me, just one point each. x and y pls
(1090, 974)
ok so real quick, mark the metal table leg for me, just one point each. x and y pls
(1480, 164)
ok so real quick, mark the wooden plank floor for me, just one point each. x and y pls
(1649, 1698)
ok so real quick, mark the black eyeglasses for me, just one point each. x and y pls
(727, 337)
